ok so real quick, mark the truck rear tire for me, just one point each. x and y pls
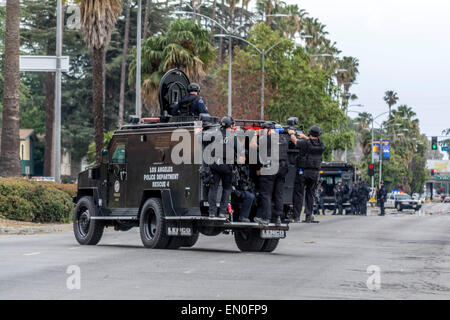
(189, 242)
(152, 225)
(270, 245)
(86, 230)
(248, 240)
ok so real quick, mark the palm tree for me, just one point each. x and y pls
(350, 64)
(10, 144)
(184, 46)
(98, 19)
(391, 98)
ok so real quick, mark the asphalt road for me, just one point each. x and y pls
(328, 260)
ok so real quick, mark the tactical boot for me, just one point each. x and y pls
(309, 219)
(242, 219)
(261, 221)
(278, 221)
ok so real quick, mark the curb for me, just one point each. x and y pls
(32, 230)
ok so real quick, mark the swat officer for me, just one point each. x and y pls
(309, 161)
(354, 198)
(223, 171)
(363, 197)
(381, 197)
(318, 198)
(271, 186)
(191, 104)
(339, 193)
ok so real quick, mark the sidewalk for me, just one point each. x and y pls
(13, 227)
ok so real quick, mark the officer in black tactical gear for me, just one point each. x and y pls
(364, 195)
(339, 193)
(223, 171)
(354, 198)
(309, 161)
(191, 104)
(271, 186)
(381, 197)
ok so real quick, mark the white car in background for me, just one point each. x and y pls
(402, 201)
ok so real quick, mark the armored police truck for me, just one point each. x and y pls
(138, 184)
(331, 173)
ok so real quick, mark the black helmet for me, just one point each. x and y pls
(315, 131)
(227, 122)
(268, 125)
(193, 87)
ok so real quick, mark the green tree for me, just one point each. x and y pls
(391, 98)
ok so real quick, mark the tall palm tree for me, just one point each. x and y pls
(98, 19)
(350, 64)
(391, 98)
(184, 46)
(10, 144)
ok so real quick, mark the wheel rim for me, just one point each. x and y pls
(83, 222)
(150, 225)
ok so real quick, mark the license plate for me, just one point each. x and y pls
(183, 232)
(273, 234)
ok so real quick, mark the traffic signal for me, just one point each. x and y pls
(432, 172)
(371, 170)
(434, 145)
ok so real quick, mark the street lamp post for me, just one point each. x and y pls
(138, 61)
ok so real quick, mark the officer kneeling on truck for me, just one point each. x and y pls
(309, 160)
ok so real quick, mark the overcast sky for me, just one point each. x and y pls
(401, 45)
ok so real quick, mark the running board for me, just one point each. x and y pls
(114, 218)
(229, 224)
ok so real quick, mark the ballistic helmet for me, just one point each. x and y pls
(193, 87)
(268, 125)
(227, 122)
(315, 131)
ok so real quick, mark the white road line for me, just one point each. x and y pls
(32, 254)
(74, 248)
(188, 271)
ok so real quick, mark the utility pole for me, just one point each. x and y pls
(138, 60)
(58, 74)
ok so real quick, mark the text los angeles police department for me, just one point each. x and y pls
(228, 309)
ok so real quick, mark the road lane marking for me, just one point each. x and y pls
(32, 254)
(74, 248)
(188, 271)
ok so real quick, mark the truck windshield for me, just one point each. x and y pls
(328, 183)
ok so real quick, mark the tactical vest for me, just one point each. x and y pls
(283, 145)
(186, 106)
(312, 159)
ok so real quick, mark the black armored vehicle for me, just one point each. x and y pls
(331, 173)
(138, 184)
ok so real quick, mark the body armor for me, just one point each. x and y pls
(312, 159)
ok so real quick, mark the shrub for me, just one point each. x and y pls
(25, 200)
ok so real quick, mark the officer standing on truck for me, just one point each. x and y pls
(191, 104)
(271, 186)
(309, 161)
(381, 197)
(223, 171)
(364, 195)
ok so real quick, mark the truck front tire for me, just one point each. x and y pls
(86, 230)
(152, 225)
(249, 240)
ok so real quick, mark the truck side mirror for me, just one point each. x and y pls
(105, 156)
